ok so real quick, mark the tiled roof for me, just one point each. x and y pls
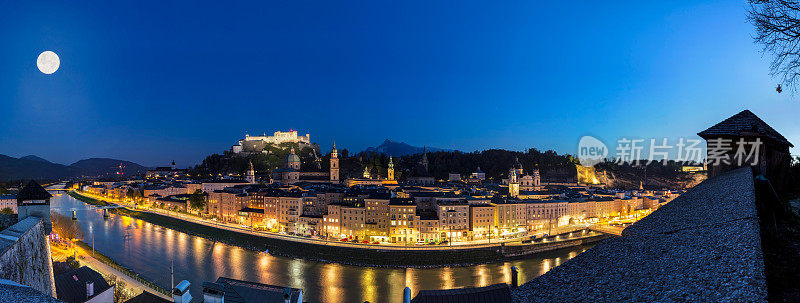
(243, 291)
(147, 297)
(33, 191)
(497, 293)
(71, 285)
(742, 123)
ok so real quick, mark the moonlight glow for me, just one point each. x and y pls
(48, 62)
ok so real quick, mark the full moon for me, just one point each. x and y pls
(48, 62)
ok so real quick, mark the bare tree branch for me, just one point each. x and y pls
(777, 25)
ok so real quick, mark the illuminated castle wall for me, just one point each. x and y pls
(257, 143)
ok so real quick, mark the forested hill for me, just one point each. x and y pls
(495, 163)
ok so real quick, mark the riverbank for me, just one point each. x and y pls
(331, 253)
(104, 264)
(119, 270)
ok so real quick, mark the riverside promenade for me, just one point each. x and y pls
(360, 254)
(703, 246)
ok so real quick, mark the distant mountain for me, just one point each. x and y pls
(397, 149)
(105, 166)
(33, 167)
(25, 168)
(34, 158)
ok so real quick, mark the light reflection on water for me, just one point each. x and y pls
(148, 249)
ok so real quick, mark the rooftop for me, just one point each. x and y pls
(497, 293)
(742, 124)
(33, 191)
(71, 285)
(703, 246)
(243, 291)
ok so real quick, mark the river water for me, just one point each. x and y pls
(149, 249)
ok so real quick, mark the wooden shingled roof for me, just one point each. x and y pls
(741, 124)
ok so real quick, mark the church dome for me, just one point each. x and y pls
(292, 157)
(517, 165)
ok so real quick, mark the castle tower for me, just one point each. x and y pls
(293, 161)
(513, 184)
(34, 201)
(334, 164)
(251, 174)
(390, 170)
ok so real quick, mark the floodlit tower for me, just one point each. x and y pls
(390, 170)
(513, 184)
(334, 164)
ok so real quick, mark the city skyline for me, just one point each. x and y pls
(415, 151)
(173, 88)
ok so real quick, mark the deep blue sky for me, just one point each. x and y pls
(156, 81)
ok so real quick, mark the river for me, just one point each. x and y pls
(149, 249)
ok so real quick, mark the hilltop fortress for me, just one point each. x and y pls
(258, 143)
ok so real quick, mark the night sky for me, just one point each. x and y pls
(153, 81)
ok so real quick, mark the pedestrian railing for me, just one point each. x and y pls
(129, 273)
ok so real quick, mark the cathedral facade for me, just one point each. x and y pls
(292, 172)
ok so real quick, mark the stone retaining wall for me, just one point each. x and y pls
(25, 255)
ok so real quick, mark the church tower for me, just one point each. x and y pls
(513, 184)
(425, 159)
(390, 170)
(334, 164)
(173, 165)
(251, 174)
